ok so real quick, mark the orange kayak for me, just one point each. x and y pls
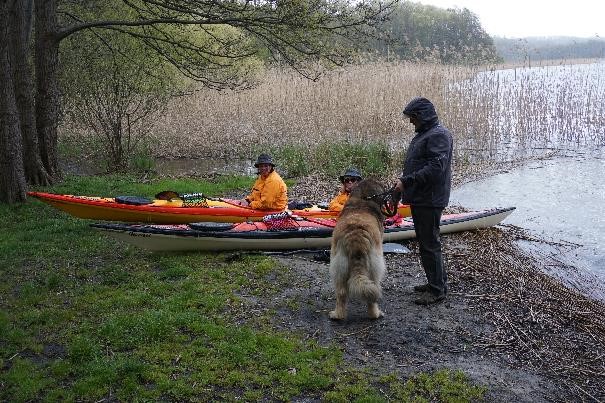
(169, 211)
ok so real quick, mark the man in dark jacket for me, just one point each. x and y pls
(425, 185)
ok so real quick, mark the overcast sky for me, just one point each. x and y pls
(521, 18)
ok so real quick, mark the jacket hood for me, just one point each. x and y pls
(423, 109)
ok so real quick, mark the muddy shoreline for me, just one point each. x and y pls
(506, 323)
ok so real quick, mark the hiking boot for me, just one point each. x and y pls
(428, 299)
(422, 288)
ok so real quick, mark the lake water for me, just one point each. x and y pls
(231, 166)
(561, 199)
(544, 111)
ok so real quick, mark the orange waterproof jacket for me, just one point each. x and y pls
(269, 194)
(339, 201)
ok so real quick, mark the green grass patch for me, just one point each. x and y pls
(85, 318)
(373, 158)
(442, 386)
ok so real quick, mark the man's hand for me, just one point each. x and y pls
(399, 186)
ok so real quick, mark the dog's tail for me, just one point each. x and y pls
(363, 287)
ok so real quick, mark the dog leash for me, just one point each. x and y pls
(388, 201)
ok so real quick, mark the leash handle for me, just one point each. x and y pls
(388, 200)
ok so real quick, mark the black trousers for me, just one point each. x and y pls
(426, 224)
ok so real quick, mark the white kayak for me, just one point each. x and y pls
(284, 234)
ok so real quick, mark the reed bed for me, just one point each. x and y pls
(351, 105)
(494, 114)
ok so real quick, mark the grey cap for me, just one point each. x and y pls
(351, 172)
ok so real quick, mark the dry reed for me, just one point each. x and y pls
(544, 323)
(495, 114)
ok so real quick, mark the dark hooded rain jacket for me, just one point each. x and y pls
(427, 171)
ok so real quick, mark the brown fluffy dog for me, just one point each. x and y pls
(356, 261)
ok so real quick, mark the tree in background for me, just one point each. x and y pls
(296, 32)
(20, 158)
(114, 89)
(528, 50)
(418, 32)
(115, 86)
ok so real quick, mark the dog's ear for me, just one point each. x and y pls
(374, 188)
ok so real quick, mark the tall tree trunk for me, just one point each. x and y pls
(12, 177)
(47, 85)
(35, 172)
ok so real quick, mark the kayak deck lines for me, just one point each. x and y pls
(259, 235)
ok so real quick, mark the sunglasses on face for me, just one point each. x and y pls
(350, 180)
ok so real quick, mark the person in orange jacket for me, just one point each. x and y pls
(349, 181)
(269, 192)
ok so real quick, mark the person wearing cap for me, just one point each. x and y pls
(349, 180)
(269, 191)
(425, 184)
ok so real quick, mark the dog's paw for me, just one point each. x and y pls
(375, 313)
(335, 316)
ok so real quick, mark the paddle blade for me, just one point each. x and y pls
(391, 247)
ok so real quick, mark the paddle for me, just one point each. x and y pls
(319, 255)
(172, 195)
(391, 247)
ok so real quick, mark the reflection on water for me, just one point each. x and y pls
(204, 166)
(561, 200)
(165, 166)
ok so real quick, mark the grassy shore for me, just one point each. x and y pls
(84, 318)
